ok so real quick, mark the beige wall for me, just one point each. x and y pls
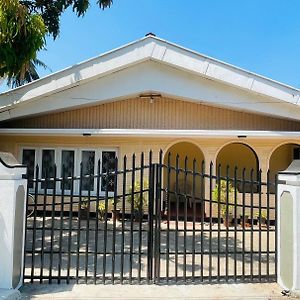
(163, 113)
(185, 181)
(210, 148)
(246, 159)
(281, 158)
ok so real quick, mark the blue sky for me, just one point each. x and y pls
(262, 36)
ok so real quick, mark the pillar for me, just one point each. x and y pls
(12, 220)
(288, 222)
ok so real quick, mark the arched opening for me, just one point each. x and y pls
(185, 185)
(282, 157)
(240, 156)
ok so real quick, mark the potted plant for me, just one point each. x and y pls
(101, 211)
(138, 198)
(220, 193)
(261, 217)
(115, 212)
(245, 220)
(84, 208)
(227, 215)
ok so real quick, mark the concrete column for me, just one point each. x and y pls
(288, 222)
(12, 220)
(262, 155)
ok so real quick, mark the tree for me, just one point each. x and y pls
(24, 25)
(51, 10)
(22, 35)
(29, 75)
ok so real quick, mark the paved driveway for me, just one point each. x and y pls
(269, 291)
(63, 248)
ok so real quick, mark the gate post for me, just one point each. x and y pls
(12, 218)
(288, 242)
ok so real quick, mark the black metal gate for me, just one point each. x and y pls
(137, 221)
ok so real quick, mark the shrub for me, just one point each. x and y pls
(220, 193)
(139, 198)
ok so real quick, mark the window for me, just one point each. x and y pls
(48, 168)
(28, 159)
(69, 163)
(108, 165)
(88, 168)
(67, 167)
(296, 154)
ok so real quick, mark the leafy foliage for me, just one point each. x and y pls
(137, 196)
(220, 194)
(21, 35)
(51, 10)
(262, 214)
(30, 74)
(101, 211)
(23, 28)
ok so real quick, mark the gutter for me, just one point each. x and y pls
(242, 134)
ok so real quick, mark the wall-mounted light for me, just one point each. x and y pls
(150, 96)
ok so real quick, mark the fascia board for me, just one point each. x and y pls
(151, 76)
(150, 48)
(230, 66)
(81, 73)
(222, 72)
(154, 133)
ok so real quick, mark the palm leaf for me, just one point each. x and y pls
(27, 74)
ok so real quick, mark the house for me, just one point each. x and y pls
(152, 94)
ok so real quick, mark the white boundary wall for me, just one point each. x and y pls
(12, 221)
(288, 222)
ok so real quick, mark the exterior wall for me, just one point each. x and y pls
(185, 182)
(163, 113)
(210, 148)
(281, 158)
(246, 159)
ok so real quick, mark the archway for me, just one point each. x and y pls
(240, 156)
(188, 187)
(282, 157)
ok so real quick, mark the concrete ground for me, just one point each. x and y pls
(67, 241)
(9, 294)
(205, 291)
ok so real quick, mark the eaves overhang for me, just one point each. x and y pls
(240, 134)
(147, 49)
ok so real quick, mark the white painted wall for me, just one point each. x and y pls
(10, 181)
(292, 186)
(130, 70)
(154, 77)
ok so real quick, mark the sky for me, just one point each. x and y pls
(262, 36)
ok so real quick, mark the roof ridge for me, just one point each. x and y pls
(152, 36)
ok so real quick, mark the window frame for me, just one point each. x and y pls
(77, 160)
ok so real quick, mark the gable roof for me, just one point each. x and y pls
(154, 56)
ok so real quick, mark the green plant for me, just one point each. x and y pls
(220, 193)
(138, 197)
(114, 202)
(262, 214)
(246, 214)
(101, 210)
(84, 203)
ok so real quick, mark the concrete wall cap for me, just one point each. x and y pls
(8, 158)
(292, 173)
(10, 167)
